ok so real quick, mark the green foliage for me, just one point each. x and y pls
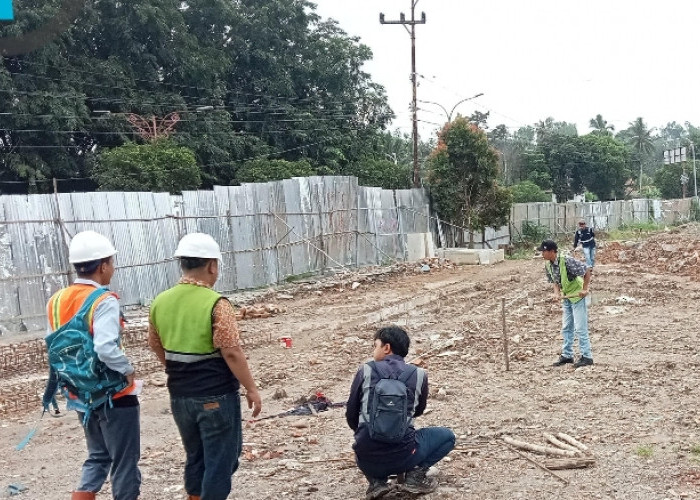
(635, 230)
(273, 170)
(245, 84)
(695, 210)
(588, 196)
(604, 166)
(382, 173)
(651, 192)
(529, 192)
(157, 166)
(462, 173)
(668, 180)
(601, 126)
(645, 451)
(532, 232)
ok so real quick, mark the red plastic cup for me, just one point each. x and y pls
(286, 342)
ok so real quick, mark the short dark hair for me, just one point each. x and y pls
(396, 337)
(189, 263)
(86, 269)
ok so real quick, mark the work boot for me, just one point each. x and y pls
(377, 488)
(83, 495)
(193, 497)
(562, 361)
(418, 483)
(583, 361)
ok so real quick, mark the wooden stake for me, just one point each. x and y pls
(562, 479)
(560, 444)
(572, 441)
(505, 334)
(539, 449)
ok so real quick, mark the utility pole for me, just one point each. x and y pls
(412, 32)
(695, 172)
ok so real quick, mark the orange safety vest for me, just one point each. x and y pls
(66, 303)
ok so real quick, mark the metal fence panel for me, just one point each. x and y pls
(267, 232)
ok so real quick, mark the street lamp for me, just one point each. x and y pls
(449, 115)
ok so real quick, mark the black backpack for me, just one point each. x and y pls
(388, 411)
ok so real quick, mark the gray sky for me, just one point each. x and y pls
(532, 59)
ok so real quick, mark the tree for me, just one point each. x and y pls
(605, 165)
(263, 170)
(245, 85)
(668, 180)
(462, 174)
(156, 166)
(382, 173)
(601, 126)
(639, 139)
(528, 192)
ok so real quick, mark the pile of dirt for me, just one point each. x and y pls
(675, 251)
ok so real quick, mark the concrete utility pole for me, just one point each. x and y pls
(412, 32)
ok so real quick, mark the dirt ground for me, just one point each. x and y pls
(636, 408)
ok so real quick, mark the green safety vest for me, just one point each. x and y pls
(567, 287)
(183, 317)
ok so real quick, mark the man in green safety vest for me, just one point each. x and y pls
(570, 278)
(193, 331)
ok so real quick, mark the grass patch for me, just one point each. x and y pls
(637, 230)
(644, 451)
(521, 253)
(298, 277)
(695, 450)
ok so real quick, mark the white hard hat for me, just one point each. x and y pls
(88, 246)
(199, 245)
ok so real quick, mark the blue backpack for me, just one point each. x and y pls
(75, 368)
(387, 411)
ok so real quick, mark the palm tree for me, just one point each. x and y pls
(601, 126)
(641, 142)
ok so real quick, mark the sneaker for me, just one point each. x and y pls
(583, 361)
(562, 361)
(418, 483)
(377, 488)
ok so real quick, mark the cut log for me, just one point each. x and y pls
(560, 444)
(572, 441)
(569, 463)
(536, 448)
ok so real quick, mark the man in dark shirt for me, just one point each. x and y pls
(570, 278)
(586, 237)
(419, 449)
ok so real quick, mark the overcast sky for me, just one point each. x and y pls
(532, 59)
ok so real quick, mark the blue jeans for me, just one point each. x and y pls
(574, 323)
(589, 253)
(432, 445)
(210, 428)
(113, 438)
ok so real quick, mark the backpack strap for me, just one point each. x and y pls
(366, 384)
(87, 309)
(420, 375)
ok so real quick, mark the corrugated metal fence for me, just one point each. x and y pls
(562, 218)
(268, 232)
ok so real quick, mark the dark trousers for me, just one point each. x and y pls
(210, 428)
(432, 445)
(113, 438)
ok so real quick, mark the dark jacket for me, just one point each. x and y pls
(365, 447)
(584, 236)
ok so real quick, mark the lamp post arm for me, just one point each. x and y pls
(449, 117)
